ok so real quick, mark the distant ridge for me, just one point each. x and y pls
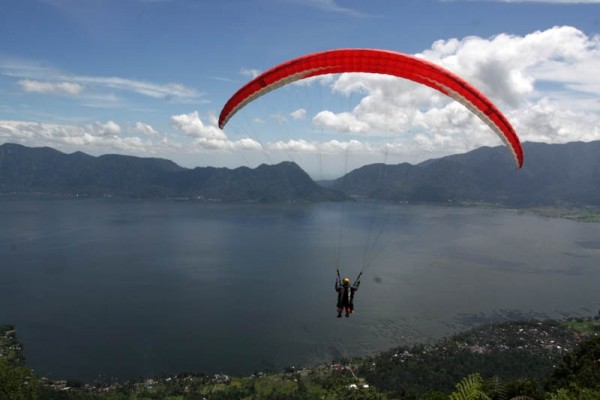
(553, 175)
(45, 170)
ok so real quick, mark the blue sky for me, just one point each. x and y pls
(148, 77)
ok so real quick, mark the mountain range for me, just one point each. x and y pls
(44, 170)
(553, 174)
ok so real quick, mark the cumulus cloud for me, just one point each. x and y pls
(341, 122)
(298, 114)
(93, 137)
(299, 145)
(138, 139)
(555, 122)
(322, 80)
(109, 128)
(328, 147)
(191, 124)
(229, 145)
(146, 129)
(210, 137)
(506, 67)
(546, 82)
(515, 71)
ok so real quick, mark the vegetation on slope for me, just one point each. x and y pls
(539, 360)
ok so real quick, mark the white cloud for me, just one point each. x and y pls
(228, 145)
(322, 80)
(109, 128)
(252, 73)
(109, 137)
(247, 144)
(329, 147)
(33, 86)
(341, 122)
(170, 91)
(298, 114)
(213, 119)
(545, 82)
(192, 125)
(299, 145)
(505, 67)
(146, 129)
(35, 77)
(94, 138)
(210, 137)
(514, 72)
(554, 122)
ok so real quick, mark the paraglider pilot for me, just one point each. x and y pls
(345, 295)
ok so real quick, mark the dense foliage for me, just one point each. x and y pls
(579, 368)
(510, 361)
(16, 381)
(510, 351)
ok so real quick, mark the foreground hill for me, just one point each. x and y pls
(44, 170)
(539, 360)
(552, 175)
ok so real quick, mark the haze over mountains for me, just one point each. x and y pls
(47, 171)
(553, 174)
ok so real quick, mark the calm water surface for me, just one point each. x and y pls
(109, 288)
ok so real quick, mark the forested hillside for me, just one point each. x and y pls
(25, 170)
(539, 360)
(552, 174)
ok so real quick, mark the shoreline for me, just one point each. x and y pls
(589, 213)
(539, 338)
(578, 213)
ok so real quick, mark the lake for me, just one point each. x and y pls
(102, 288)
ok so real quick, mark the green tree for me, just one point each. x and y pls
(495, 388)
(436, 395)
(16, 382)
(470, 388)
(580, 367)
(524, 389)
(575, 393)
(520, 389)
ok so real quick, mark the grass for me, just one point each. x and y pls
(586, 326)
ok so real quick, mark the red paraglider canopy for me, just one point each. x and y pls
(379, 62)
